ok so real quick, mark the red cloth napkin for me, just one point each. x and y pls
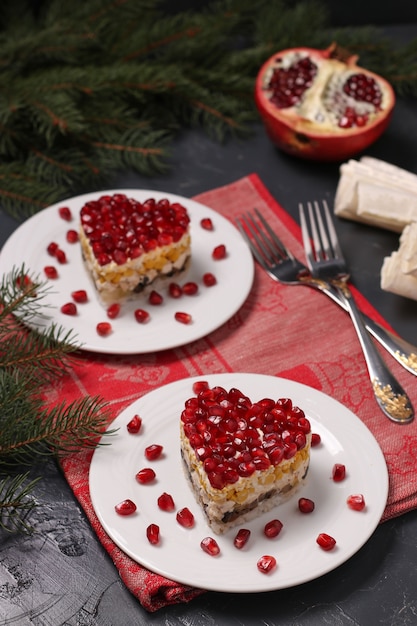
(280, 330)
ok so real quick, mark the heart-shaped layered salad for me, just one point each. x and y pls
(242, 457)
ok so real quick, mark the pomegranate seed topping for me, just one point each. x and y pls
(356, 502)
(209, 279)
(152, 533)
(153, 452)
(338, 472)
(72, 236)
(315, 440)
(60, 256)
(266, 564)
(190, 288)
(155, 298)
(126, 507)
(210, 545)
(241, 538)
(273, 528)
(233, 437)
(79, 296)
(113, 310)
(166, 502)
(145, 476)
(103, 329)
(306, 505)
(326, 542)
(184, 318)
(65, 213)
(174, 290)
(52, 248)
(141, 316)
(50, 271)
(185, 518)
(219, 252)
(134, 425)
(69, 308)
(200, 385)
(206, 223)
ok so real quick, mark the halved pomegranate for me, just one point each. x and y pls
(320, 105)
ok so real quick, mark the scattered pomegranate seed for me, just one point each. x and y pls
(113, 310)
(338, 472)
(69, 308)
(306, 505)
(190, 288)
(65, 213)
(356, 502)
(134, 425)
(219, 252)
(25, 283)
(326, 542)
(60, 256)
(209, 279)
(174, 290)
(145, 475)
(50, 271)
(141, 316)
(273, 528)
(72, 236)
(210, 545)
(206, 223)
(155, 298)
(126, 507)
(184, 318)
(166, 502)
(315, 440)
(185, 518)
(153, 452)
(266, 564)
(200, 385)
(79, 296)
(152, 533)
(241, 538)
(52, 248)
(104, 328)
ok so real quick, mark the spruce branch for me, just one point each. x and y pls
(92, 88)
(33, 356)
(16, 502)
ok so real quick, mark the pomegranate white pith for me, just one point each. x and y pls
(242, 458)
(317, 104)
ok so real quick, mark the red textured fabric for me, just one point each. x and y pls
(280, 330)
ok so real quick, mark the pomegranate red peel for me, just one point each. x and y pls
(307, 125)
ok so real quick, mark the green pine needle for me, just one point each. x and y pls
(94, 88)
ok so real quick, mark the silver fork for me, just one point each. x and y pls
(282, 266)
(326, 262)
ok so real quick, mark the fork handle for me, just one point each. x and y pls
(402, 351)
(388, 392)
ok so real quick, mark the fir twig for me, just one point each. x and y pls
(16, 502)
(93, 88)
(30, 358)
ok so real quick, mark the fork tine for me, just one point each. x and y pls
(269, 249)
(274, 237)
(309, 252)
(332, 232)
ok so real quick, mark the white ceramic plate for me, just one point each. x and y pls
(209, 309)
(179, 557)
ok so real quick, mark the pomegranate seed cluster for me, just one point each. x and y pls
(121, 228)
(288, 84)
(233, 437)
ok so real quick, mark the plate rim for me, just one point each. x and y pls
(267, 584)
